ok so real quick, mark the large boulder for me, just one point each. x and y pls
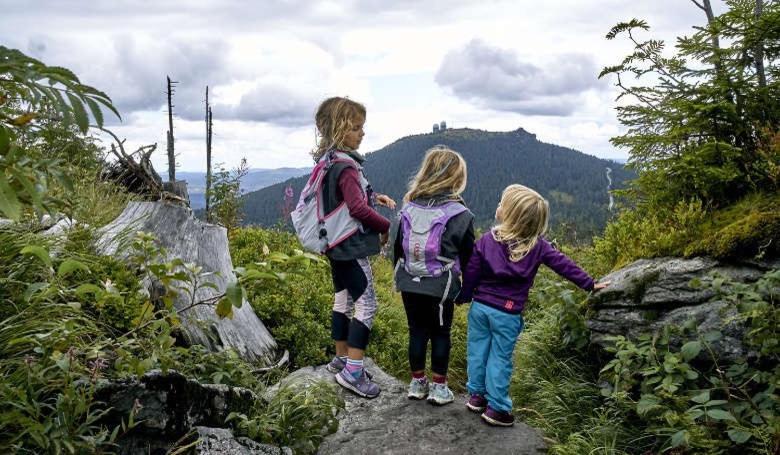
(193, 241)
(393, 424)
(650, 294)
(171, 409)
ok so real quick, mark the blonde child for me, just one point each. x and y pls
(340, 126)
(435, 235)
(498, 277)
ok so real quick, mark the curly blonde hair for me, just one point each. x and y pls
(523, 219)
(443, 171)
(335, 117)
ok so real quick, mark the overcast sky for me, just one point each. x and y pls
(494, 65)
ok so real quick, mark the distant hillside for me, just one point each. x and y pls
(573, 182)
(255, 180)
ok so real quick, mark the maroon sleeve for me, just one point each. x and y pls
(349, 184)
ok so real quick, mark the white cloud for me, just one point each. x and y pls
(500, 79)
(499, 64)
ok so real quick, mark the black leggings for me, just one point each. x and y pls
(424, 317)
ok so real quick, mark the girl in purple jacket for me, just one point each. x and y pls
(498, 277)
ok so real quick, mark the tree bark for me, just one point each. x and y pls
(758, 51)
(171, 156)
(208, 157)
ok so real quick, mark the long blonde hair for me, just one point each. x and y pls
(443, 171)
(524, 216)
(335, 117)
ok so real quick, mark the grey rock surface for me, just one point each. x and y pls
(393, 424)
(221, 441)
(649, 294)
(193, 241)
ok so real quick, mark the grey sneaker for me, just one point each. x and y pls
(418, 389)
(361, 386)
(336, 365)
(440, 394)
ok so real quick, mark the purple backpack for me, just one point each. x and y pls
(422, 227)
(421, 230)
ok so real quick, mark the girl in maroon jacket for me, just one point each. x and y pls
(340, 126)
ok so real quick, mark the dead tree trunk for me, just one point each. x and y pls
(208, 157)
(171, 155)
(193, 241)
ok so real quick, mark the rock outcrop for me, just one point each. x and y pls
(649, 294)
(193, 241)
(172, 409)
(393, 424)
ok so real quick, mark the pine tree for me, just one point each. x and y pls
(699, 129)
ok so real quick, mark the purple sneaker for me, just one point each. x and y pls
(361, 386)
(336, 365)
(477, 403)
(498, 418)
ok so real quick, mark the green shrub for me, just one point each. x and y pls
(299, 416)
(750, 228)
(746, 229)
(297, 311)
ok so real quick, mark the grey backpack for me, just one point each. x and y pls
(317, 231)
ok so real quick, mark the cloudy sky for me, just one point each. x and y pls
(494, 65)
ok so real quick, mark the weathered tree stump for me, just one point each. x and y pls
(193, 241)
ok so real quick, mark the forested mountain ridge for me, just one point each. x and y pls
(575, 183)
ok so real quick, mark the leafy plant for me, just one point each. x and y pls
(225, 196)
(34, 94)
(300, 415)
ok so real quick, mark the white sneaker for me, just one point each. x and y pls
(440, 394)
(418, 389)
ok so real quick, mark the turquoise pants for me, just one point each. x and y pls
(492, 335)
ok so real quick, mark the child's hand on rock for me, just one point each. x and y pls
(601, 285)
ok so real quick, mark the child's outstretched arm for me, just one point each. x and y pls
(349, 184)
(471, 275)
(565, 267)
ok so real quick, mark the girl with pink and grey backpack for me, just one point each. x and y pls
(435, 236)
(335, 216)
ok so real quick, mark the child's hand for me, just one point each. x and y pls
(601, 285)
(387, 201)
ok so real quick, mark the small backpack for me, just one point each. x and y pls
(317, 231)
(422, 228)
(421, 231)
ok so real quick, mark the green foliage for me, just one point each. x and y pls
(555, 383)
(32, 101)
(297, 310)
(687, 397)
(749, 228)
(746, 229)
(300, 415)
(73, 318)
(225, 196)
(649, 233)
(698, 131)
